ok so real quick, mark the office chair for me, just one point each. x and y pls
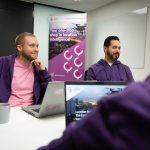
(85, 74)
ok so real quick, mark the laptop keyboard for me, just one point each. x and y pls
(36, 109)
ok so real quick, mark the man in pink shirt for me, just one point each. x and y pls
(23, 76)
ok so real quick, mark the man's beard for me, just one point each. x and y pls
(113, 56)
(29, 57)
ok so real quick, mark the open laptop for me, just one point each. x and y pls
(53, 101)
(81, 97)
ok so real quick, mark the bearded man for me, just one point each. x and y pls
(110, 68)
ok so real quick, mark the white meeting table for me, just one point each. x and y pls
(25, 132)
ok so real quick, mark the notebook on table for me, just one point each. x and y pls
(53, 101)
(81, 97)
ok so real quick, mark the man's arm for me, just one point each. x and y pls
(44, 75)
(90, 74)
(129, 74)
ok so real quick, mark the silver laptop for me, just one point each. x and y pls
(81, 97)
(53, 101)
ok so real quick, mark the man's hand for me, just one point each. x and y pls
(39, 64)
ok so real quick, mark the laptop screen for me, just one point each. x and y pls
(81, 97)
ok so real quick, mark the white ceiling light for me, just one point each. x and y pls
(140, 11)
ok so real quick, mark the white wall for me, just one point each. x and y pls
(41, 27)
(108, 12)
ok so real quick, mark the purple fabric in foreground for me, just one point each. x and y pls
(120, 122)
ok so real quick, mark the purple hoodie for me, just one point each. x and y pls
(102, 71)
(120, 122)
(41, 79)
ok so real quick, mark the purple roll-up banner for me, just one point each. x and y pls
(67, 43)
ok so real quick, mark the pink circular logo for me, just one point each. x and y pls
(67, 54)
(67, 66)
(77, 73)
(78, 61)
(78, 50)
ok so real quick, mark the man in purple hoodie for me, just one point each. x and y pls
(109, 68)
(23, 76)
(121, 121)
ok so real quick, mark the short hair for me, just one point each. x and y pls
(20, 38)
(109, 39)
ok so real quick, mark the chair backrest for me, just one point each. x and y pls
(85, 74)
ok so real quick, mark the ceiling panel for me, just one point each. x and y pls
(78, 5)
